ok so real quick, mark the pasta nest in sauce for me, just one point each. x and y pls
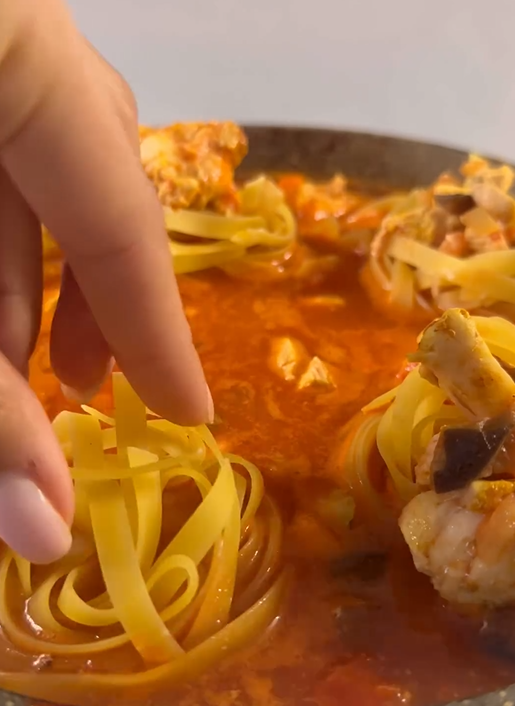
(178, 587)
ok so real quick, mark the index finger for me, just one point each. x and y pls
(69, 156)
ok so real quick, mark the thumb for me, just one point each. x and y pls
(36, 493)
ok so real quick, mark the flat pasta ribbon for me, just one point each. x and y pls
(179, 591)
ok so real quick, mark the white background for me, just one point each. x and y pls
(443, 70)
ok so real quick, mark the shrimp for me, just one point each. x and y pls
(461, 528)
(465, 546)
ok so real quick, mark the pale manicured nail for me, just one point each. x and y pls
(210, 407)
(28, 522)
(81, 397)
(84, 396)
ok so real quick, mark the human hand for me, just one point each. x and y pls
(69, 158)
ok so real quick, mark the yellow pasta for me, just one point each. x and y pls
(353, 467)
(264, 229)
(404, 419)
(450, 245)
(484, 275)
(181, 598)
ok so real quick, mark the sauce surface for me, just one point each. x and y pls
(368, 631)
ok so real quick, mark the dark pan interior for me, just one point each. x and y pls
(385, 161)
(374, 159)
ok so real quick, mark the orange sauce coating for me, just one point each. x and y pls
(377, 635)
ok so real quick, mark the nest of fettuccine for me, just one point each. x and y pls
(175, 558)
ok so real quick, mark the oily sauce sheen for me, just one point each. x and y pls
(359, 626)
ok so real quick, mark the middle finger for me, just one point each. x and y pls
(20, 276)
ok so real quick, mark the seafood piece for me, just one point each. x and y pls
(497, 203)
(287, 355)
(453, 355)
(461, 532)
(454, 244)
(192, 164)
(468, 555)
(482, 232)
(317, 373)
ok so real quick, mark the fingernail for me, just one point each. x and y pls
(84, 396)
(28, 522)
(81, 397)
(210, 407)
